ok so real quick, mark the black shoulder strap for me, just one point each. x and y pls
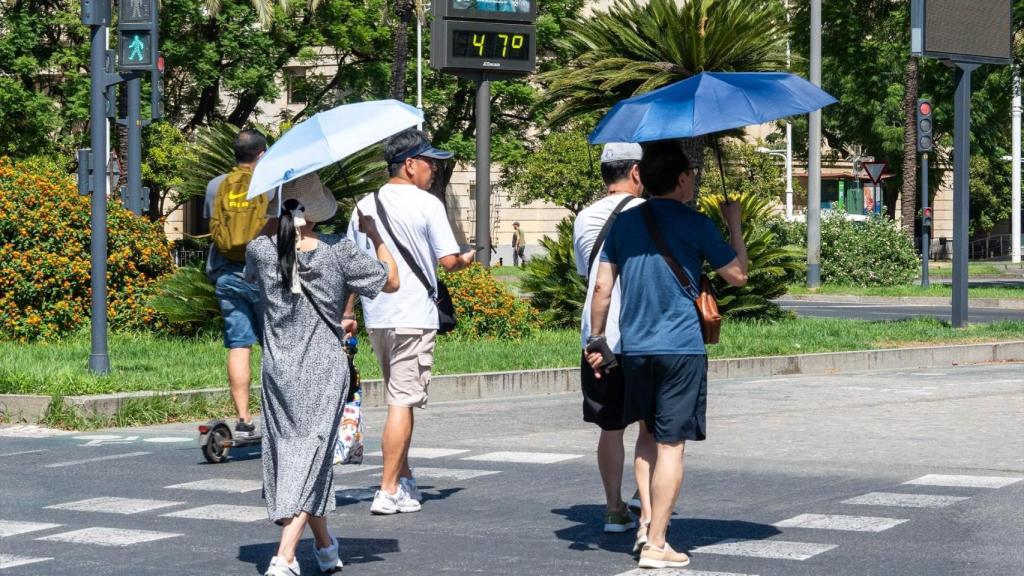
(599, 243)
(659, 241)
(431, 291)
(334, 327)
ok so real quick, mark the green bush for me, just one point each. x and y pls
(874, 252)
(485, 307)
(45, 253)
(186, 298)
(772, 265)
(555, 287)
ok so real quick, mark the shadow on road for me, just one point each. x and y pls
(353, 551)
(683, 534)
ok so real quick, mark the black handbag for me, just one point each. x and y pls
(446, 321)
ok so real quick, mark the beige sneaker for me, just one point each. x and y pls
(651, 557)
(641, 536)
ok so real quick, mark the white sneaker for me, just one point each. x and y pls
(386, 504)
(328, 558)
(409, 484)
(278, 567)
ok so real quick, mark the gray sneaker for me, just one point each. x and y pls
(385, 504)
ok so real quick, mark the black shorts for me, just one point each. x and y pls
(669, 393)
(602, 397)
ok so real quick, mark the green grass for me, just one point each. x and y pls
(935, 290)
(508, 270)
(978, 268)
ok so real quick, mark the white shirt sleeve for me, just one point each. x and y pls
(577, 245)
(353, 232)
(439, 230)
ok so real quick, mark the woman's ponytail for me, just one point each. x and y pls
(286, 239)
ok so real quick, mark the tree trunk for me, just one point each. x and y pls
(908, 200)
(207, 108)
(247, 103)
(404, 10)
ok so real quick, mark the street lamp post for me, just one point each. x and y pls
(786, 155)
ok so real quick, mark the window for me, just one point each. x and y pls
(297, 85)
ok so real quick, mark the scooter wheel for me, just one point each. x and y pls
(215, 450)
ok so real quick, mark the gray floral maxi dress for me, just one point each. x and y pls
(305, 375)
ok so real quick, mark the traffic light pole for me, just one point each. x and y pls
(99, 359)
(961, 189)
(483, 171)
(925, 222)
(134, 121)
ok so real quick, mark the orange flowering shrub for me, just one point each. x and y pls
(485, 307)
(44, 256)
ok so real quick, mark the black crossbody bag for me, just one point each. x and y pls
(446, 321)
(603, 235)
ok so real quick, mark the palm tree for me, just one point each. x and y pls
(636, 47)
(908, 196)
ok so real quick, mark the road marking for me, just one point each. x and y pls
(23, 452)
(523, 457)
(347, 469)
(964, 481)
(427, 453)
(225, 512)
(904, 500)
(677, 572)
(774, 549)
(118, 537)
(10, 560)
(11, 528)
(449, 473)
(30, 431)
(168, 439)
(361, 494)
(840, 522)
(100, 459)
(229, 485)
(114, 505)
(101, 440)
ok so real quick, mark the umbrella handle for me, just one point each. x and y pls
(721, 169)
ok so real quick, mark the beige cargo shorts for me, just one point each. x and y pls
(406, 357)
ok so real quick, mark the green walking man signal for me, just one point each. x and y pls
(137, 35)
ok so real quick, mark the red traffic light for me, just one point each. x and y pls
(160, 63)
(925, 108)
(928, 212)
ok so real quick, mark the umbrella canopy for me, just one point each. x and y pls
(328, 137)
(709, 102)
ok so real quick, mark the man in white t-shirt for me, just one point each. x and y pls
(603, 398)
(402, 325)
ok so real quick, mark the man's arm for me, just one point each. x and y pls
(599, 306)
(735, 272)
(348, 316)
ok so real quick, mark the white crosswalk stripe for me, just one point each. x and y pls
(114, 505)
(30, 431)
(449, 473)
(10, 560)
(773, 549)
(840, 522)
(230, 485)
(427, 453)
(523, 457)
(676, 572)
(226, 512)
(116, 537)
(905, 500)
(964, 481)
(10, 528)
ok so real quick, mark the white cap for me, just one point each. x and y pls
(616, 151)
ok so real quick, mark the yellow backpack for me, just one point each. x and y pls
(235, 220)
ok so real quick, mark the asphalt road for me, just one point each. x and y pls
(912, 472)
(893, 311)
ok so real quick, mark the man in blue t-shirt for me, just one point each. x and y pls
(663, 355)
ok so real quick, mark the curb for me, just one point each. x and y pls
(997, 303)
(562, 380)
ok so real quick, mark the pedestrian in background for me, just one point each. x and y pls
(663, 355)
(603, 397)
(402, 326)
(303, 279)
(518, 246)
(234, 221)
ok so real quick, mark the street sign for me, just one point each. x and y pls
(137, 36)
(875, 170)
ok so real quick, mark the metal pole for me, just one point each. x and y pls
(419, 65)
(789, 135)
(961, 189)
(134, 95)
(925, 232)
(483, 172)
(814, 159)
(1015, 194)
(99, 360)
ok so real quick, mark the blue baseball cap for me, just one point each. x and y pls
(410, 144)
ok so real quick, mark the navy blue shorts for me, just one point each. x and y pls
(242, 309)
(669, 393)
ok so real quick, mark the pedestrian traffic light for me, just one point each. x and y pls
(926, 217)
(137, 36)
(924, 126)
(156, 97)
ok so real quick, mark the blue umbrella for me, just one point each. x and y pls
(709, 102)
